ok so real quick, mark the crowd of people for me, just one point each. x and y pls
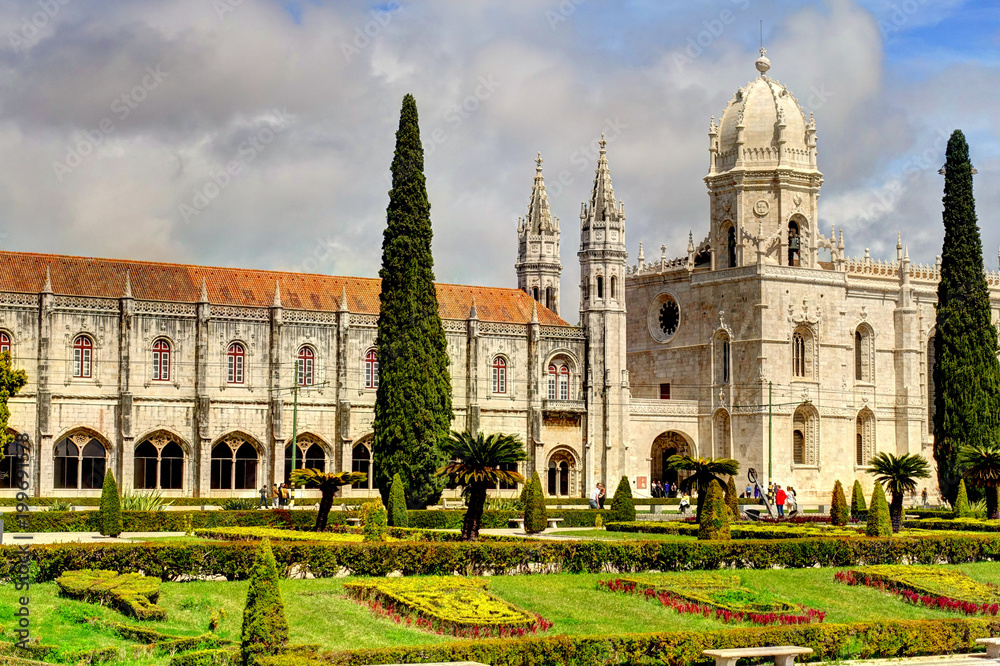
(277, 496)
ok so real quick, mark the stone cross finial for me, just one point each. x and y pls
(539, 160)
(603, 142)
(473, 312)
(642, 256)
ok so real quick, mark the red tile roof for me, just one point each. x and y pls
(24, 272)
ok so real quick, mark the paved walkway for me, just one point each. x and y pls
(979, 659)
(11, 538)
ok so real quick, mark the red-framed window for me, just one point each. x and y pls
(564, 383)
(499, 375)
(83, 355)
(371, 369)
(306, 362)
(236, 358)
(4, 342)
(553, 374)
(161, 361)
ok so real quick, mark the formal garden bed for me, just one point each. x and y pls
(937, 587)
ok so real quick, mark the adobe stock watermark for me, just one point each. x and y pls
(585, 157)
(365, 34)
(21, 571)
(561, 13)
(898, 15)
(87, 141)
(246, 152)
(893, 189)
(27, 31)
(698, 42)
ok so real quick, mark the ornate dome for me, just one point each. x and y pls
(761, 107)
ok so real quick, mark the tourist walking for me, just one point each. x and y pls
(274, 495)
(263, 497)
(595, 497)
(283, 495)
(600, 498)
(923, 497)
(779, 500)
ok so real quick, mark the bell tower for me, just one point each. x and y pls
(539, 265)
(602, 316)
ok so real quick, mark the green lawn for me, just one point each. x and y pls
(319, 613)
(618, 536)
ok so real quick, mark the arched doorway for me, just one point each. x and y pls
(561, 473)
(665, 445)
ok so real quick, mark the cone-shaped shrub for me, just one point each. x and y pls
(373, 521)
(859, 510)
(962, 508)
(879, 522)
(714, 523)
(622, 506)
(265, 629)
(731, 499)
(110, 514)
(839, 513)
(398, 517)
(536, 519)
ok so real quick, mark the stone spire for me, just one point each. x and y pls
(534, 312)
(473, 313)
(277, 295)
(539, 218)
(203, 297)
(602, 198)
(343, 299)
(128, 285)
(47, 288)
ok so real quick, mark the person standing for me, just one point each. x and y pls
(263, 497)
(604, 492)
(923, 497)
(595, 497)
(274, 495)
(779, 499)
(283, 495)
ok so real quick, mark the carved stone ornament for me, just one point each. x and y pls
(797, 200)
(761, 207)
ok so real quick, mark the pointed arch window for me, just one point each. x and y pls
(308, 455)
(552, 377)
(4, 342)
(14, 464)
(83, 354)
(234, 465)
(614, 287)
(731, 247)
(235, 361)
(361, 461)
(864, 437)
(79, 463)
(499, 375)
(371, 369)
(722, 358)
(564, 383)
(161, 361)
(805, 435)
(158, 465)
(548, 298)
(600, 287)
(794, 244)
(304, 366)
(864, 354)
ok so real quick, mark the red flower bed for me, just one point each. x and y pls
(403, 616)
(682, 605)
(931, 601)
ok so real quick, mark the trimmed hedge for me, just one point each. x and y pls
(773, 530)
(958, 524)
(132, 594)
(173, 561)
(171, 521)
(867, 640)
(452, 519)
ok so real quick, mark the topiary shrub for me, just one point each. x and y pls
(110, 512)
(398, 517)
(879, 522)
(374, 521)
(732, 502)
(599, 522)
(839, 513)
(265, 629)
(859, 510)
(535, 514)
(622, 507)
(962, 507)
(714, 524)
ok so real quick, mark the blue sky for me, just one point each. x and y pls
(495, 83)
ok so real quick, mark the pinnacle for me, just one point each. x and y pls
(539, 215)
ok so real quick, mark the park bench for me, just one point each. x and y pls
(992, 646)
(517, 522)
(554, 522)
(784, 655)
(354, 521)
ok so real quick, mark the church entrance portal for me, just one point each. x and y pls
(665, 445)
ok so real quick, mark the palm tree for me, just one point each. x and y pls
(477, 463)
(705, 471)
(898, 474)
(327, 482)
(982, 469)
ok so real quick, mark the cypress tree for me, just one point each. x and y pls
(398, 517)
(839, 513)
(859, 510)
(536, 517)
(879, 521)
(109, 513)
(731, 499)
(966, 370)
(713, 522)
(374, 521)
(961, 506)
(622, 504)
(413, 404)
(265, 629)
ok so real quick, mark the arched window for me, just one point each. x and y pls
(798, 355)
(805, 435)
(552, 375)
(371, 369)
(794, 242)
(304, 367)
(308, 455)
(725, 361)
(161, 361)
(864, 354)
(13, 464)
(534, 293)
(4, 342)
(234, 465)
(600, 287)
(564, 383)
(558, 380)
(614, 287)
(361, 461)
(83, 352)
(722, 358)
(865, 437)
(80, 462)
(548, 297)
(158, 464)
(499, 375)
(236, 357)
(731, 247)
(561, 466)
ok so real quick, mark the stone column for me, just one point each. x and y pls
(276, 402)
(472, 372)
(200, 459)
(123, 411)
(42, 451)
(341, 439)
(533, 442)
